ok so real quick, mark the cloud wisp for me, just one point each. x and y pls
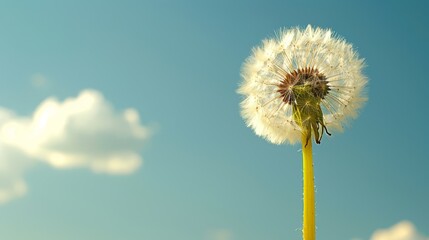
(39, 80)
(79, 132)
(220, 234)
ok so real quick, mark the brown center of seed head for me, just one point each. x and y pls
(314, 81)
(304, 89)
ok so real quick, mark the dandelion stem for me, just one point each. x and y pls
(309, 219)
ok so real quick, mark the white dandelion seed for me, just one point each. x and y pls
(303, 81)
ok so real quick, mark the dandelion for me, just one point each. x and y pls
(301, 85)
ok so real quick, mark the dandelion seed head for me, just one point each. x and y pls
(302, 81)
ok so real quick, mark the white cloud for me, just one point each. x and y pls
(85, 132)
(12, 167)
(404, 230)
(13, 164)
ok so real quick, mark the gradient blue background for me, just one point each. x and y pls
(178, 63)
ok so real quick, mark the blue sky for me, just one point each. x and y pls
(198, 173)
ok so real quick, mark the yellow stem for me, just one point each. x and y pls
(309, 219)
